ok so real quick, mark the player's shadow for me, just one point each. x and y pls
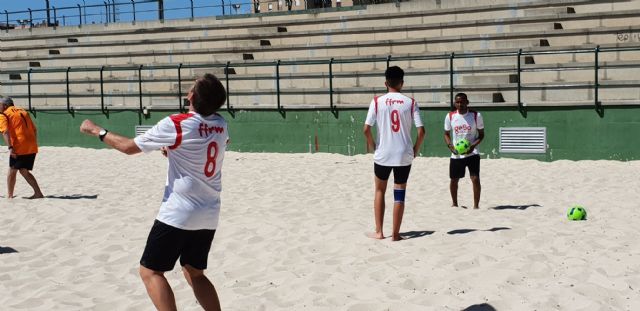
(480, 307)
(7, 250)
(463, 231)
(518, 207)
(415, 234)
(72, 197)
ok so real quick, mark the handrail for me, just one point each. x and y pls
(452, 71)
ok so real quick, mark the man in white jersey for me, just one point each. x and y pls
(394, 114)
(188, 216)
(468, 124)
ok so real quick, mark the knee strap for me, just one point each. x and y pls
(398, 195)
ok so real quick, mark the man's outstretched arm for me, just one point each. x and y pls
(118, 142)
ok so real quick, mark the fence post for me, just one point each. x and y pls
(226, 77)
(521, 108)
(331, 84)
(180, 87)
(29, 88)
(68, 91)
(133, 4)
(596, 85)
(451, 57)
(101, 89)
(30, 18)
(7, 15)
(106, 12)
(140, 89)
(79, 14)
(280, 109)
(222, 7)
(191, 9)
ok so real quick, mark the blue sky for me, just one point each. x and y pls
(174, 9)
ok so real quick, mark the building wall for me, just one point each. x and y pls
(573, 133)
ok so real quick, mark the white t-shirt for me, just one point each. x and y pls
(196, 150)
(464, 126)
(394, 114)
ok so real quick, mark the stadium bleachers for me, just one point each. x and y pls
(478, 39)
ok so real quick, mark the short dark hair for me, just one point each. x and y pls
(208, 95)
(462, 95)
(394, 76)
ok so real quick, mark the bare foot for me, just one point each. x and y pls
(36, 196)
(375, 235)
(476, 207)
(398, 238)
(454, 205)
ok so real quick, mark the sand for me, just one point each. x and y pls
(291, 236)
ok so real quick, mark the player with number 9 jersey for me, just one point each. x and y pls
(196, 146)
(394, 114)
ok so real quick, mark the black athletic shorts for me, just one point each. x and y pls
(400, 173)
(166, 244)
(457, 166)
(22, 161)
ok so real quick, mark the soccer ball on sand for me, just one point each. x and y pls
(577, 213)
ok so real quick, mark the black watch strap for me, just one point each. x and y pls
(103, 134)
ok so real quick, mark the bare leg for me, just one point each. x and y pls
(158, 289)
(475, 180)
(398, 212)
(11, 182)
(378, 207)
(453, 188)
(31, 180)
(202, 288)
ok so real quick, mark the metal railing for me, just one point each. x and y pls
(110, 11)
(229, 72)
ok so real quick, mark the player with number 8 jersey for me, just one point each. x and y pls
(194, 143)
(196, 150)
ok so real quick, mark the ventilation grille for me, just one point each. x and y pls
(523, 139)
(141, 129)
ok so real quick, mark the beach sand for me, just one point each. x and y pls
(291, 236)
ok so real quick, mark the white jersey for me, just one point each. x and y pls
(464, 126)
(196, 149)
(394, 114)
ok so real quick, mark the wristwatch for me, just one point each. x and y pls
(102, 134)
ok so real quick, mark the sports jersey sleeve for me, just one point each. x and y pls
(479, 122)
(163, 134)
(371, 115)
(447, 123)
(417, 120)
(3, 123)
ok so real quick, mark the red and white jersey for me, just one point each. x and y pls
(196, 149)
(394, 113)
(464, 126)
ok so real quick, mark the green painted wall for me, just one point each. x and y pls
(572, 133)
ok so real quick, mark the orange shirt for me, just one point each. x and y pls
(21, 129)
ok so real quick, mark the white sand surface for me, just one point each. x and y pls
(291, 236)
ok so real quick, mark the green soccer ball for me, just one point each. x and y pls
(577, 212)
(462, 146)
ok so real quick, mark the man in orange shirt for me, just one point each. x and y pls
(19, 134)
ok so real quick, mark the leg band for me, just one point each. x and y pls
(398, 195)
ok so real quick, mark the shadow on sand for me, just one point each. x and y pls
(518, 207)
(72, 197)
(415, 234)
(480, 307)
(7, 250)
(463, 231)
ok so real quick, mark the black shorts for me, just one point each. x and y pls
(400, 173)
(166, 244)
(22, 161)
(457, 166)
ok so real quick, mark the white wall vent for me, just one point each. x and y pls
(523, 140)
(141, 129)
